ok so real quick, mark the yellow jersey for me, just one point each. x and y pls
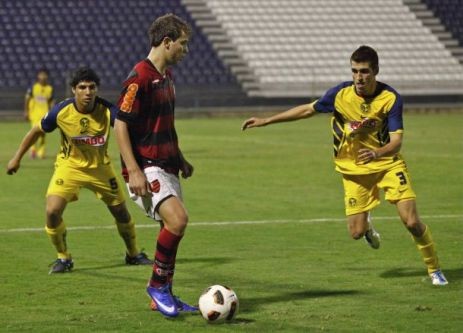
(362, 122)
(84, 136)
(41, 96)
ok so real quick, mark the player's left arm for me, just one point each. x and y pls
(390, 149)
(185, 166)
(395, 127)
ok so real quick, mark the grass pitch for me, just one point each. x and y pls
(267, 219)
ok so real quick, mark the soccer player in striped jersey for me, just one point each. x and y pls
(38, 101)
(84, 122)
(151, 155)
(367, 132)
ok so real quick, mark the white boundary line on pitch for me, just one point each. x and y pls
(226, 223)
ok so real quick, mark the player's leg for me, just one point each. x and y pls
(361, 196)
(40, 146)
(103, 182)
(56, 231)
(398, 189)
(126, 229)
(422, 237)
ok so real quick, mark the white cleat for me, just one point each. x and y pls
(438, 278)
(372, 237)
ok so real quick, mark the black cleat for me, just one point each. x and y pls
(61, 266)
(139, 259)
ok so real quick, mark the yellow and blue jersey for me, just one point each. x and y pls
(362, 122)
(41, 96)
(84, 136)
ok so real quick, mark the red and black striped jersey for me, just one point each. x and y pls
(147, 106)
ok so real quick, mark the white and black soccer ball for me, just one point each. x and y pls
(218, 304)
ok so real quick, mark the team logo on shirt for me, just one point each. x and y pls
(84, 125)
(365, 107)
(129, 98)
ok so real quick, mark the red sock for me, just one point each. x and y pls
(164, 258)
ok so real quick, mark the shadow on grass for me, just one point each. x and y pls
(252, 304)
(205, 260)
(450, 274)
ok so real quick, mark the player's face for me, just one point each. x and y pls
(85, 94)
(177, 50)
(42, 78)
(364, 78)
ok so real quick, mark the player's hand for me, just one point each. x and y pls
(138, 184)
(366, 156)
(187, 169)
(253, 122)
(12, 167)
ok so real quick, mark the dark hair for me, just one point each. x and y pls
(43, 70)
(366, 54)
(84, 74)
(169, 25)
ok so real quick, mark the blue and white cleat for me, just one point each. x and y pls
(181, 306)
(184, 307)
(438, 278)
(164, 300)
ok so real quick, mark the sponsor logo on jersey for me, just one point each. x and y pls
(366, 123)
(129, 98)
(95, 141)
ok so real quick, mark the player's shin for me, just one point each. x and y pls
(127, 233)
(58, 238)
(164, 258)
(425, 245)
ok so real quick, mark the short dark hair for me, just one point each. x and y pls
(169, 25)
(366, 54)
(43, 70)
(84, 74)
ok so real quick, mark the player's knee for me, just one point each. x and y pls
(178, 222)
(53, 217)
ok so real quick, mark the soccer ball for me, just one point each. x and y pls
(218, 304)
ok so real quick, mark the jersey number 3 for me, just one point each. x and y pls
(402, 178)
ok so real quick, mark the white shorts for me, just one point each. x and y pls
(163, 186)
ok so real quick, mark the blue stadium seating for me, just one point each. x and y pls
(109, 36)
(450, 12)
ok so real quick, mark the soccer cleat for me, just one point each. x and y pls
(438, 278)
(164, 300)
(372, 236)
(181, 306)
(61, 266)
(139, 259)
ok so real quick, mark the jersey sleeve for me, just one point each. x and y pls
(325, 104)
(113, 110)
(29, 91)
(131, 98)
(49, 121)
(394, 117)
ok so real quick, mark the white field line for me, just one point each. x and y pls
(226, 223)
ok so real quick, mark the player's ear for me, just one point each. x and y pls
(167, 41)
(73, 90)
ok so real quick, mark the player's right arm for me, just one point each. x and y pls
(296, 113)
(29, 139)
(138, 184)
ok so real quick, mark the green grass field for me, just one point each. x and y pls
(292, 263)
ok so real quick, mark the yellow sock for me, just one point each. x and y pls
(58, 238)
(127, 232)
(425, 245)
